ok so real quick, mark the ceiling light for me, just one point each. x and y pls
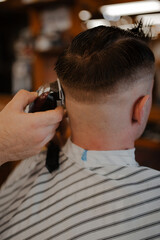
(149, 19)
(131, 8)
(126, 26)
(2, 1)
(97, 22)
(84, 15)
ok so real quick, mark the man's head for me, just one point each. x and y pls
(110, 71)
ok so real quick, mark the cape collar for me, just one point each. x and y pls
(91, 158)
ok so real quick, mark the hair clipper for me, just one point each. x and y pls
(49, 97)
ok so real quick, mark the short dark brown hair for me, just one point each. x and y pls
(101, 58)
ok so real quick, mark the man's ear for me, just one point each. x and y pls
(140, 108)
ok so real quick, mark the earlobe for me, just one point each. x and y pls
(140, 108)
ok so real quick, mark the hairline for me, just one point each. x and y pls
(88, 96)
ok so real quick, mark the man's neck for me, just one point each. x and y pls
(100, 141)
(101, 126)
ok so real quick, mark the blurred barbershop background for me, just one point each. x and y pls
(34, 32)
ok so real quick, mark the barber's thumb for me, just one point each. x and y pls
(23, 98)
(51, 117)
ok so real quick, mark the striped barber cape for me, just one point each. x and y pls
(93, 195)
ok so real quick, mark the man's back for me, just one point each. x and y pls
(93, 195)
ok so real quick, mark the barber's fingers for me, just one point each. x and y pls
(50, 117)
(47, 139)
(22, 99)
(48, 133)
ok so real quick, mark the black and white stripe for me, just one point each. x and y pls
(79, 203)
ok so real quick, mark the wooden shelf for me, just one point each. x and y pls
(53, 51)
(155, 114)
(147, 143)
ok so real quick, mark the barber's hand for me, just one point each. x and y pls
(24, 134)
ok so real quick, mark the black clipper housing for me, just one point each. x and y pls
(49, 97)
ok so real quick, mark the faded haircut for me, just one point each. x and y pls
(101, 59)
